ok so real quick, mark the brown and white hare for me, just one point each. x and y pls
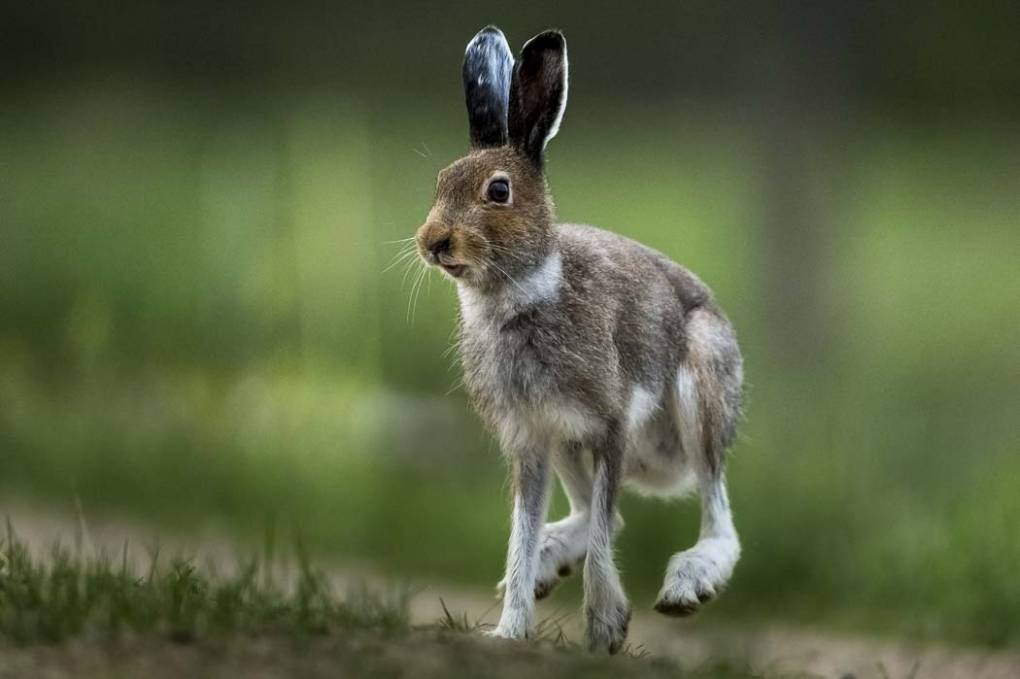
(584, 352)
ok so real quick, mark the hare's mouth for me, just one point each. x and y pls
(449, 264)
(455, 270)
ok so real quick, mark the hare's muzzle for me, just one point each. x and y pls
(433, 238)
(436, 245)
(439, 248)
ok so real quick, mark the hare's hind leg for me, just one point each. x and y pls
(708, 403)
(564, 543)
(696, 575)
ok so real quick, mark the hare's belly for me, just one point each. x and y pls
(655, 462)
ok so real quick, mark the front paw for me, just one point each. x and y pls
(514, 623)
(506, 632)
(607, 628)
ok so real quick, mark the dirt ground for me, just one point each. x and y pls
(767, 650)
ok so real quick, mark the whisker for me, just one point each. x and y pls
(426, 286)
(457, 384)
(416, 291)
(509, 278)
(406, 259)
(400, 258)
(408, 250)
(427, 155)
(411, 296)
(502, 249)
(403, 255)
(408, 268)
(454, 340)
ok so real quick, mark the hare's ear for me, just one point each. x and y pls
(488, 65)
(538, 94)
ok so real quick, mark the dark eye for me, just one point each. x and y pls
(499, 191)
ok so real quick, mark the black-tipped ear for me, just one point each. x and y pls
(488, 65)
(538, 94)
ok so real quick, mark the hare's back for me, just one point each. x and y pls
(641, 267)
(640, 296)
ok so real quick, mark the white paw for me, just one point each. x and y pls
(562, 549)
(507, 631)
(606, 628)
(694, 577)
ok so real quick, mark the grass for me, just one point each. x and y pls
(92, 615)
(419, 654)
(71, 594)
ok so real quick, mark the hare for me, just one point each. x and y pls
(584, 352)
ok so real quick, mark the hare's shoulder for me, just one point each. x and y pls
(606, 254)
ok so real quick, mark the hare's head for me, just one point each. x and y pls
(492, 216)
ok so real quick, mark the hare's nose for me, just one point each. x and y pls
(441, 246)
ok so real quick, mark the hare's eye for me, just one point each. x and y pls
(499, 191)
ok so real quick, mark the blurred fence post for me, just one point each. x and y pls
(802, 120)
(332, 226)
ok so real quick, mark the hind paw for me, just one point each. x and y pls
(693, 578)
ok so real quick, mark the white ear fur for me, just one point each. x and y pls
(555, 128)
(539, 94)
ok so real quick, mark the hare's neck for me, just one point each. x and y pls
(540, 284)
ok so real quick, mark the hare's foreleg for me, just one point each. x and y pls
(531, 492)
(607, 612)
(563, 544)
(696, 575)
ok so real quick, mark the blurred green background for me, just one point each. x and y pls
(198, 326)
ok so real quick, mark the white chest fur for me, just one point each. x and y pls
(503, 370)
(480, 311)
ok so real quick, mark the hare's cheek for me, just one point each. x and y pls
(470, 249)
